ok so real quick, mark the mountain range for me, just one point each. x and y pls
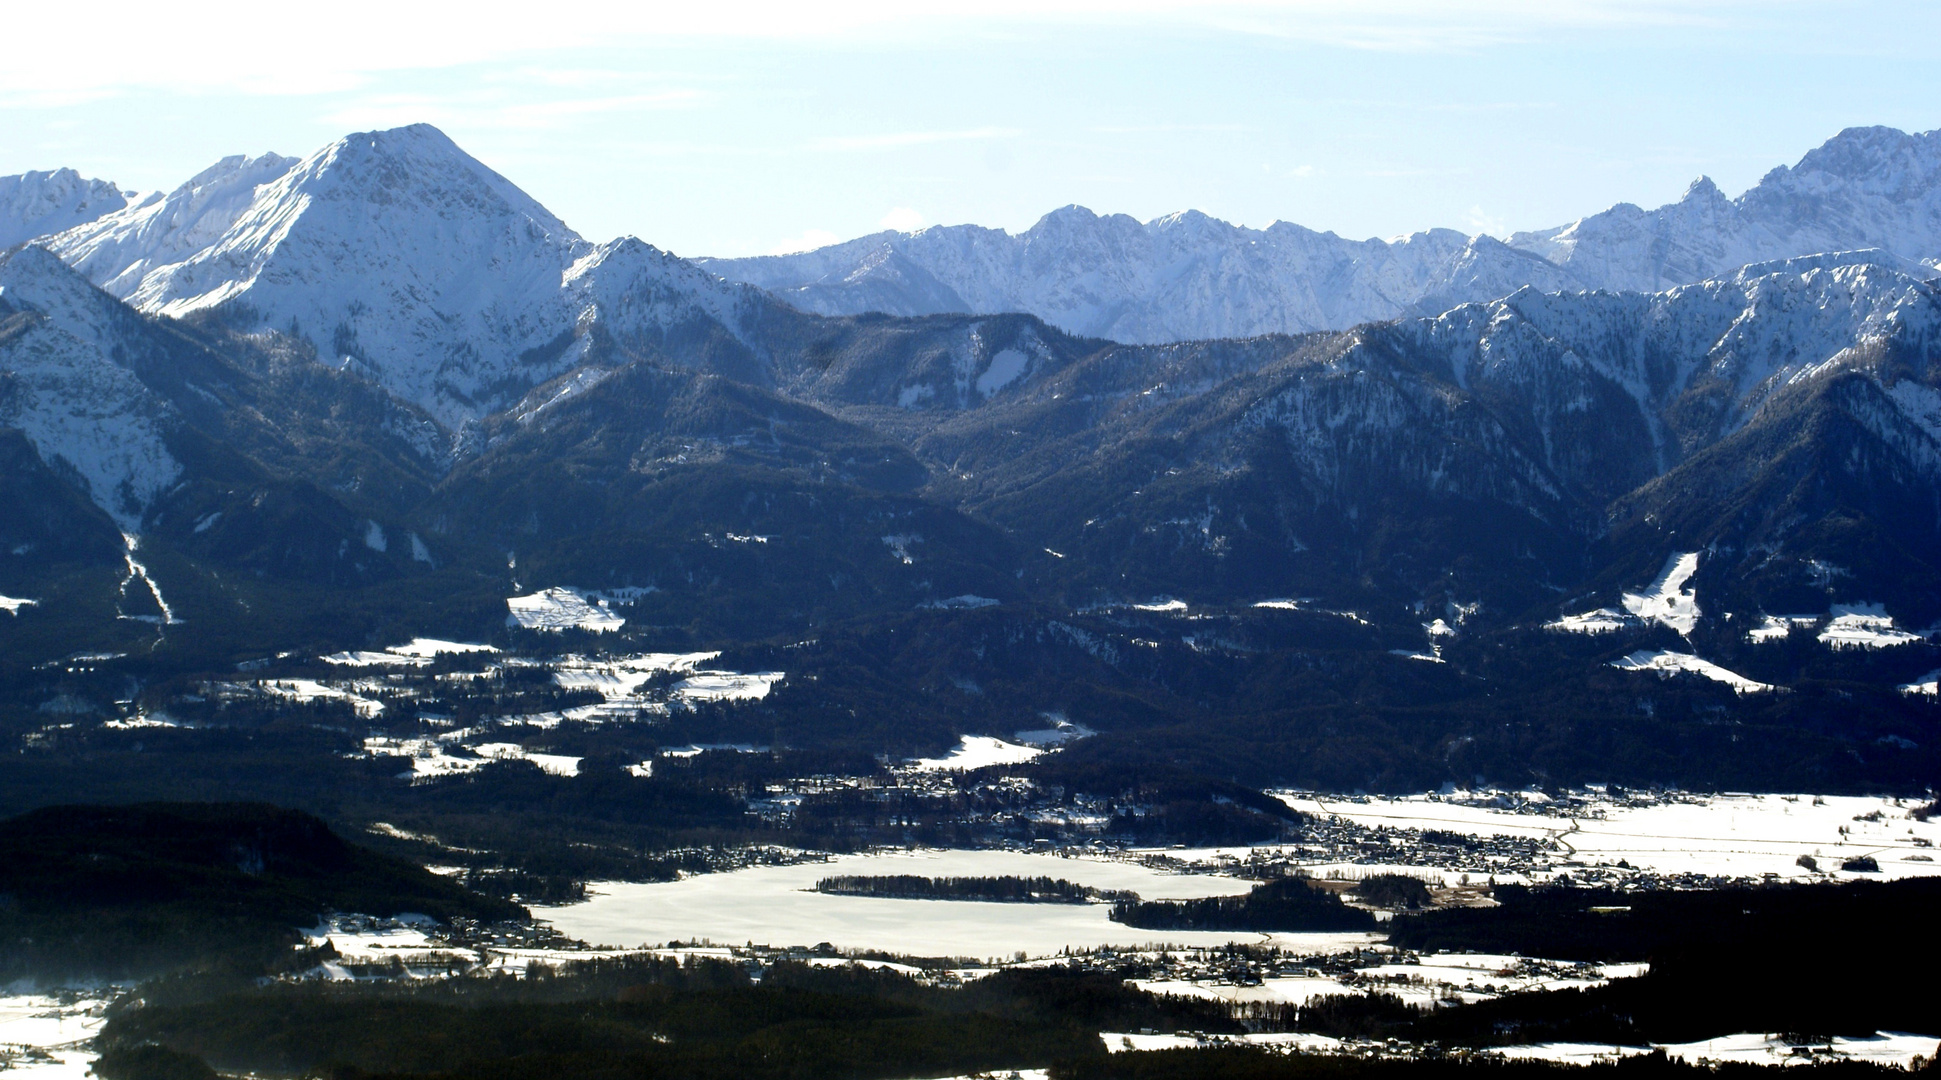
(1188, 276)
(337, 401)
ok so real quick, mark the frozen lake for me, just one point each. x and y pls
(775, 905)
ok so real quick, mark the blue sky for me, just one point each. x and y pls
(738, 128)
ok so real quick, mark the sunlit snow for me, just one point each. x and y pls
(1666, 662)
(777, 905)
(1744, 836)
(12, 604)
(417, 652)
(1776, 627)
(1929, 684)
(1667, 600)
(1863, 626)
(1897, 1050)
(977, 752)
(51, 1034)
(1600, 621)
(561, 609)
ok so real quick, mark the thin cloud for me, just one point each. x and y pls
(286, 51)
(911, 138)
(497, 111)
(808, 241)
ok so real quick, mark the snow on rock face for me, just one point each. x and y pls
(1665, 662)
(1865, 188)
(561, 609)
(37, 203)
(77, 405)
(399, 253)
(1184, 276)
(1187, 276)
(125, 251)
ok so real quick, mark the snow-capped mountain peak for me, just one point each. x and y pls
(395, 250)
(37, 203)
(399, 255)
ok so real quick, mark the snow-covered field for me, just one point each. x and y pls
(1716, 835)
(776, 905)
(1863, 626)
(977, 752)
(1895, 1049)
(312, 690)
(561, 609)
(418, 652)
(43, 1036)
(1423, 981)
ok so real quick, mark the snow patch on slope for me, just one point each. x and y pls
(978, 752)
(1667, 600)
(1666, 663)
(1777, 627)
(561, 609)
(1863, 626)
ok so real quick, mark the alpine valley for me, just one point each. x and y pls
(363, 484)
(426, 635)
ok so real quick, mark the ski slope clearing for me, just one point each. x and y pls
(1673, 834)
(778, 905)
(561, 609)
(1666, 662)
(1667, 600)
(979, 752)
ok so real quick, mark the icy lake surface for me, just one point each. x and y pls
(776, 905)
